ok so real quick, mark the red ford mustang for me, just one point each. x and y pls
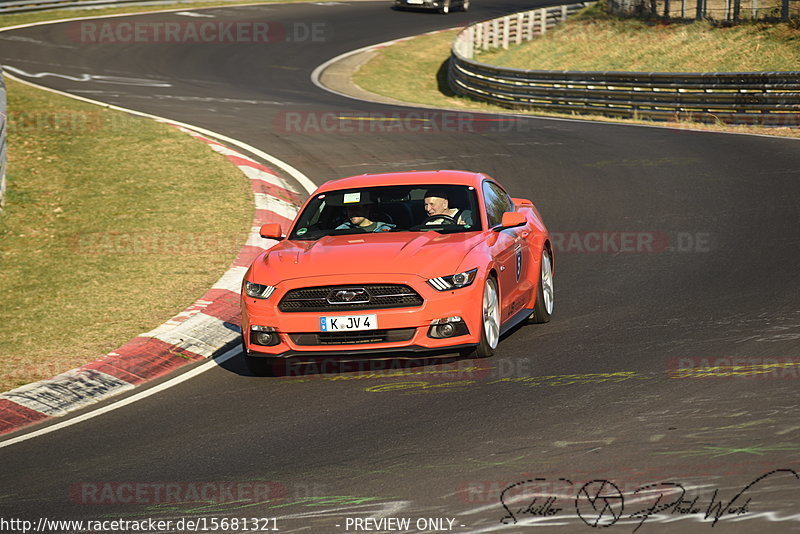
(414, 262)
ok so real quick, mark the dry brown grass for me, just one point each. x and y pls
(634, 45)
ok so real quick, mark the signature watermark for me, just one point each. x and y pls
(604, 503)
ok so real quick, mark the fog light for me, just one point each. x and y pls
(263, 335)
(448, 327)
(445, 330)
(264, 338)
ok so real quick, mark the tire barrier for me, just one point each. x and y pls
(758, 98)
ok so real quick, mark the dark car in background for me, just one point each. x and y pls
(442, 6)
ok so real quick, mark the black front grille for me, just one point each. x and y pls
(353, 337)
(327, 298)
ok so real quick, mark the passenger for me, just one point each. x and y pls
(358, 216)
(436, 203)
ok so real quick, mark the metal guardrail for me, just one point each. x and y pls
(3, 129)
(21, 6)
(717, 10)
(762, 98)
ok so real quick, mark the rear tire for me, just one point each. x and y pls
(544, 291)
(490, 321)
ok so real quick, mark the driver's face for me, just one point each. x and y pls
(435, 205)
(357, 214)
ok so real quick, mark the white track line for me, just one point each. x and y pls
(205, 366)
(173, 10)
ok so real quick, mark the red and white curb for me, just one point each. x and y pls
(200, 331)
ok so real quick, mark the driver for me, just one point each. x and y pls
(436, 203)
(358, 216)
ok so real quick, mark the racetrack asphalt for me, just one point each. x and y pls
(675, 250)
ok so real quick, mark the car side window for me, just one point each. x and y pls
(497, 202)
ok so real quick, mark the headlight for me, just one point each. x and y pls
(455, 281)
(258, 291)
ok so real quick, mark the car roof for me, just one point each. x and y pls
(443, 177)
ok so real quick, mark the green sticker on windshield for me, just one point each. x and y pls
(302, 231)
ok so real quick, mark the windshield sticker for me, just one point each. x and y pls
(350, 198)
(302, 231)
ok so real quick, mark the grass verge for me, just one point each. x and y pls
(414, 71)
(607, 43)
(113, 224)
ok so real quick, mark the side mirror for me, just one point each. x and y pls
(512, 219)
(271, 231)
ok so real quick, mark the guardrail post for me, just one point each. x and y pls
(495, 33)
(563, 12)
(485, 45)
(473, 41)
(542, 21)
(506, 31)
(469, 47)
(531, 19)
(520, 22)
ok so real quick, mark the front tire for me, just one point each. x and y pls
(544, 292)
(490, 321)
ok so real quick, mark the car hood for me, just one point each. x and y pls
(427, 254)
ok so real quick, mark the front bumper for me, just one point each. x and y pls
(295, 329)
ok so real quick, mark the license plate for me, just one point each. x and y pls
(415, 2)
(348, 322)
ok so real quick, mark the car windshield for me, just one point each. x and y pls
(411, 208)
